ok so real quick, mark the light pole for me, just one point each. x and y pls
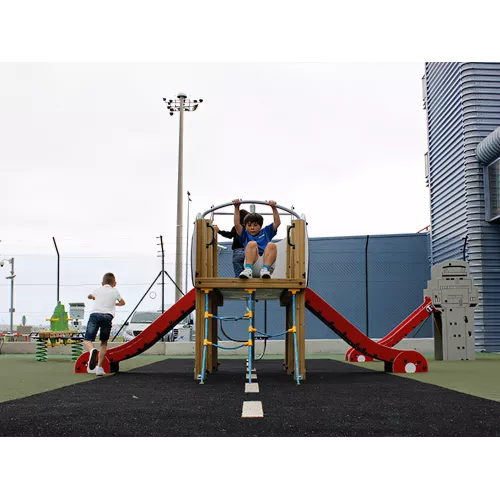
(11, 278)
(181, 104)
(187, 242)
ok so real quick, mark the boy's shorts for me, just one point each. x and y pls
(258, 266)
(99, 321)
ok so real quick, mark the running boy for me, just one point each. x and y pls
(260, 251)
(106, 299)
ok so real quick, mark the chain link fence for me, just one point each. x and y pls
(375, 282)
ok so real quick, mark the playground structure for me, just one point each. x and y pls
(454, 297)
(59, 334)
(289, 285)
(451, 298)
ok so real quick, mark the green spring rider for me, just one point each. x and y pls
(59, 333)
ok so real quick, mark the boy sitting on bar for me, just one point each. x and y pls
(260, 251)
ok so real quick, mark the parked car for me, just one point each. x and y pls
(139, 321)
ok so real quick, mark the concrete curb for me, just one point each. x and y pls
(275, 347)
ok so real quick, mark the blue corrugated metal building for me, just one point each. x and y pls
(462, 101)
(373, 281)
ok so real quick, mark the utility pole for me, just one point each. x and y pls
(187, 243)
(162, 274)
(181, 104)
(11, 278)
(58, 267)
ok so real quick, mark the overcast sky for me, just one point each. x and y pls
(92, 155)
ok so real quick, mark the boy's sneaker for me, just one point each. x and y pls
(100, 371)
(246, 273)
(264, 273)
(92, 361)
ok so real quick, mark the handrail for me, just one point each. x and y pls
(251, 202)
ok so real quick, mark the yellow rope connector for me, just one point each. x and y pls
(292, 330)
(249, 314)
(208, 315)
(251, 329)
(249, 343)
(206, 342)
(206, 290)
(250, 290)
(293, 291)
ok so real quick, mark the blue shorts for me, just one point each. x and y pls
(96, 321)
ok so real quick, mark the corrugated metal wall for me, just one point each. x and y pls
(463, 107)
(445, 157)
(384, 275)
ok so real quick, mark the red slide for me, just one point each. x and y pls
(152, 334)
(399, 333)
(396, 361)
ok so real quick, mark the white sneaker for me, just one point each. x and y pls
(264, 273)
(246, 273)
(99, 371)
(92, 361)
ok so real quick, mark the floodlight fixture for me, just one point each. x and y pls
(181, 104)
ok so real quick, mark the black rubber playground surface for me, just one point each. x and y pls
(163, 399)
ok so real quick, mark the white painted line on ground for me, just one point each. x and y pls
(252, 409)
(251, 387)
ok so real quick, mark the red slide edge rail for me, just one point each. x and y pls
(395, 336)
(396, 361)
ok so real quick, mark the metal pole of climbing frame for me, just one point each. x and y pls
(250, 336)
(205, 339)
(294, 327)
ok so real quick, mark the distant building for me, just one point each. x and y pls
(76, 310)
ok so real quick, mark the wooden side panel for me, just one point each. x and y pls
(201, 243)
(300, 249)
(290, 253)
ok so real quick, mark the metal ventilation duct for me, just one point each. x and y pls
(488, 149)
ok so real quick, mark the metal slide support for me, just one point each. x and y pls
(251, 332)
(205, 339)
(294, 330)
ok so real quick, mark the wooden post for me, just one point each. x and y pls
(300, 323)
(206, 267)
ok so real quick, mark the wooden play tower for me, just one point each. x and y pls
(287, 284)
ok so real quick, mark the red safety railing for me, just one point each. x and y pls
(416, 318)
(396, 361)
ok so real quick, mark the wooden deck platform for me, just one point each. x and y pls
(236, 288)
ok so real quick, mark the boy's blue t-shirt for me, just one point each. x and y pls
(264, 236)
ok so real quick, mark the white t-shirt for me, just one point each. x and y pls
(105, 300)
